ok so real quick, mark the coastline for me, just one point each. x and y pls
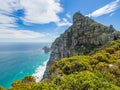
(39, 72)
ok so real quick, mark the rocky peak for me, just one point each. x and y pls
(77, 17)
(80, 39)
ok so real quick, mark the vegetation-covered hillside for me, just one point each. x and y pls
(100, 70)
(82, 37)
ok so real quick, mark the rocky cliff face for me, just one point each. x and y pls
(80, 39)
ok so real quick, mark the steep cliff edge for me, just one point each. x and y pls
(80, 39)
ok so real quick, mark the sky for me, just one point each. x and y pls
(44, 20)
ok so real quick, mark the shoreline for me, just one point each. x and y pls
(39, 72)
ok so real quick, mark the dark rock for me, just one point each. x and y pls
(46, 49)
(80, 39)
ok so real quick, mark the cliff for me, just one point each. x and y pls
(80, 39)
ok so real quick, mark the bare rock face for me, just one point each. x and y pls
(80, 39)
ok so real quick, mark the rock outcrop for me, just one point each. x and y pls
(80, 39)
(46, 49)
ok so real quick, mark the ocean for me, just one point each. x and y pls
(18, 60)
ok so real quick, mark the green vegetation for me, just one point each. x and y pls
(99, 70)
(1, 88)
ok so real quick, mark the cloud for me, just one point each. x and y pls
(7, 21)
(41, 11)
(111, 7)
(7, 6)
(68, 16)
(34, 12)
(13, 35)
(19, 34)
(63, 22)
(111, 14)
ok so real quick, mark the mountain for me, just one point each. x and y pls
(80, 39)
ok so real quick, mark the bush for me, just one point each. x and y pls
(28, 79)
(100, 57)
(71, 65)
(86, 81)
(102, 66)
(1, 88)
(110, 50)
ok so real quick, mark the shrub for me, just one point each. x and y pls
(86, 81)
(28, 79)
(110, 50)
(72, 64)
(102, 66)
(1, 88)
(100, 57)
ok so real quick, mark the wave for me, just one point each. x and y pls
(40, 72)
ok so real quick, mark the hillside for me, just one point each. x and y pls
(80, 39)
(98, 71)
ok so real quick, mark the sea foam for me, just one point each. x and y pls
(40, 72)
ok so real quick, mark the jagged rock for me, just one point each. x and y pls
(80, 39)
(46, 49)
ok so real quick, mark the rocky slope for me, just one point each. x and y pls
(80, 39)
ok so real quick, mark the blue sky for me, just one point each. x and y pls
(44, 20)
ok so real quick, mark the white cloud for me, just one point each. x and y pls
(7, 21)
(64, 22)
(111, 14)
(7, 6)
(68, 16)
(35, 11)
(19, 34)
(111, 7)
(26, 36)
(41, 11)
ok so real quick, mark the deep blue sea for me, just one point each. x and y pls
(20, 59)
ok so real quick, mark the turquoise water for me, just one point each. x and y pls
(20, 59)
